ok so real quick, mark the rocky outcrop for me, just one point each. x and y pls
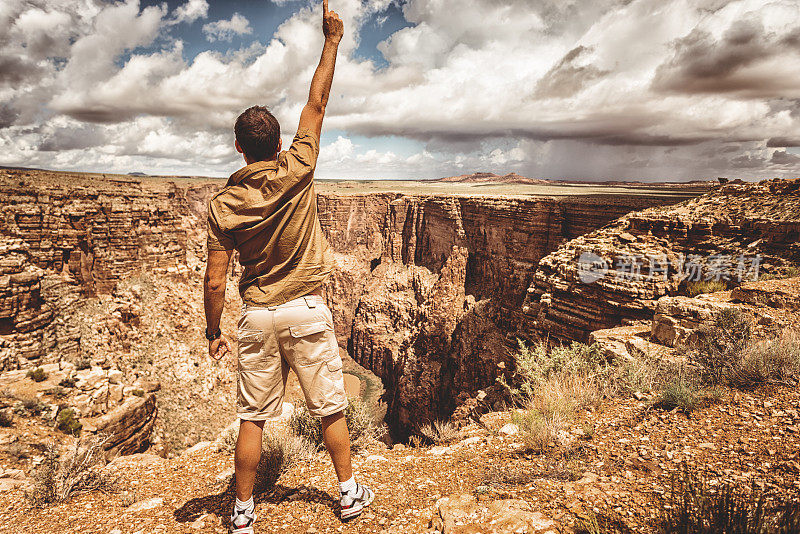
(129, 425)
(619, 272)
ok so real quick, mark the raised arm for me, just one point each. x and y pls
(314, 111)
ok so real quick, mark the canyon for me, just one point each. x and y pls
(428, 291)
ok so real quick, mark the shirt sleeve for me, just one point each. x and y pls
(217, 239)
(302, 155)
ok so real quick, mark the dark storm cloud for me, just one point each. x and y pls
(71, 139)
(701, 64)
(567, 77)
(7, 115)
(780, 142)
(781, 157)
(748, 161)
(16, 70)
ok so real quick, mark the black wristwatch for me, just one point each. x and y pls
(211, 336)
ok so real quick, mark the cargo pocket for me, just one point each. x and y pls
(310, 344)
(251, 348)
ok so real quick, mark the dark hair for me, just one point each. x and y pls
(258, 133)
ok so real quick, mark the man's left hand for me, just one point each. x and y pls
(219, 347)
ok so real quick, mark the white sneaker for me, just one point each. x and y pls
(242, 521)
(354, 502)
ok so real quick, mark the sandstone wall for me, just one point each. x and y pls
(64, 236)
(713, 231)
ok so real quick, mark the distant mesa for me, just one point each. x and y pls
(136, 173)
(511, 178)
(514, 178)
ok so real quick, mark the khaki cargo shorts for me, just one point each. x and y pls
(298, 334)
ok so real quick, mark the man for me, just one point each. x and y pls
(268, 213)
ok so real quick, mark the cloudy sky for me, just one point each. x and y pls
(578, 89)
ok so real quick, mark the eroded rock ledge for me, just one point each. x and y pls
(738, 221)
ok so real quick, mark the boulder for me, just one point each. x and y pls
(129, 425)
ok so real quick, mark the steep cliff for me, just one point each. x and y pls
(619, 272)
(63, 237)
(427, 292)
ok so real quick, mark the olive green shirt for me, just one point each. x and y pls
(268, 213)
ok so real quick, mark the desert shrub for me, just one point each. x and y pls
(79, 470)
(440, 432)
(83, 363)
(279, 452)
(680, 393)
(697, 507)
(538, 430)
(771, 360)
(702, 287)
(226, 441)
(37, 375)
(720, 345)
(6, 418)
(535, 365)
(57, 392)
(68, 382)
(32, 407)
(67, 422)
(357, 414)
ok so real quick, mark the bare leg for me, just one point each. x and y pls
(247, 456)
(337, 441)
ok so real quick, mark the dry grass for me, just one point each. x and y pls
(553, 406)
(79, 470)
(279, 452)
(766, 361)
(440, 432)
(702, 287)
(721, 344)
(360, 423)
(698, 507)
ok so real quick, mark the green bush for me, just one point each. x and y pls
(37, 375)
(696, 507)
(702, 287)
(68, 423)
(720, 345)
(359, 423)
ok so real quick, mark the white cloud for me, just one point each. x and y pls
(226, 30)
(559, 88)
(191, 11)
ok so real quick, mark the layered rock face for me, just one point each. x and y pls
(63, 237)
(426, 293)
(618, 273)
(428, 290)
